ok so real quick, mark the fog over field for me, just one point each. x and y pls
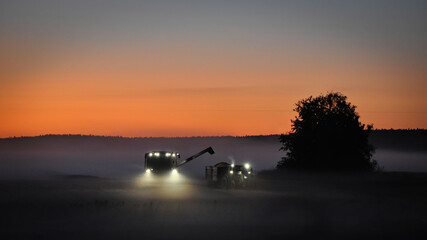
(88, 187)
(124, 157)
(116, 157)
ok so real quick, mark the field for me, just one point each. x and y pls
(283, 205)
(91, 187)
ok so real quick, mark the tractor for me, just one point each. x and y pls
(226, 175)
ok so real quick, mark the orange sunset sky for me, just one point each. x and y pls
(199, 68)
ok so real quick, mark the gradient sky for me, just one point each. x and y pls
(191, 68)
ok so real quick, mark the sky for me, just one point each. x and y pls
(202, 68)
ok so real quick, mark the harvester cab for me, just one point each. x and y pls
(159, 162)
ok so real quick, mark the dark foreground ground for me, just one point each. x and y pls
(291, 205)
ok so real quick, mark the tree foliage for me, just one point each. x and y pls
(327, 134)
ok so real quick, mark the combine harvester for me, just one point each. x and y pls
(222, 175)
(164, 162)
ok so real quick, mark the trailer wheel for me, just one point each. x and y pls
(224, 183)
(231, 182)
(239, 182)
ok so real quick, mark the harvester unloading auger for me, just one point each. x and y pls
(164, 161)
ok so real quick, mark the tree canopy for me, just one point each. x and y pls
(327, 134)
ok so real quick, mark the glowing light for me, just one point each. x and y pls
(245, 177)
(168, 154)
(174, 178)
(150, 154)
(239, 172)
(247, 166)
(164, 186)
(148, 171)
(232, 165)
(173, 155)
(249, 172)
(157, 154)
(231, 172)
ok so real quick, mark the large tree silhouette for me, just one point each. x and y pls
(327, 134)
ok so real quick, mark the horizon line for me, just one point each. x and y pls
(207, 136)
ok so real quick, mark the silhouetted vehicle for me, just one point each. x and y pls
(226, 175)
(160, 162)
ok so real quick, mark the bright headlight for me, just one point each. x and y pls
(174, 172)
(150, 154)
(231, 172)
(168, 154)
(232, 165)
(148, 171)
(156, 154)
(173, 155)
(247, 166)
